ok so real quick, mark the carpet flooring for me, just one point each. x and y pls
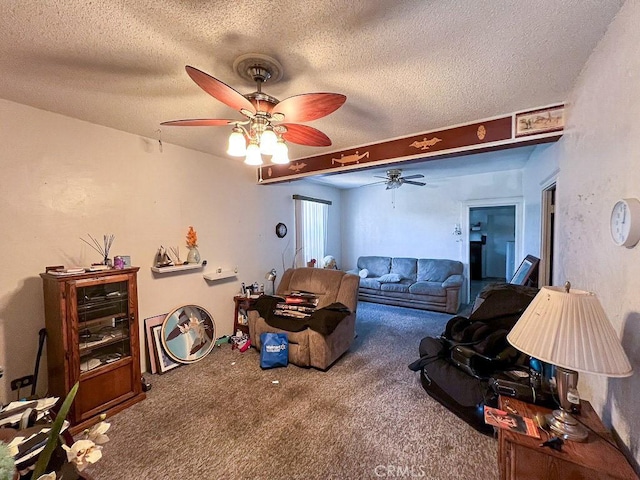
(366, 417)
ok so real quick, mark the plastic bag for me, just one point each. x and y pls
(274, 350)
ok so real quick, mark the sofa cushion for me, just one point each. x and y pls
(376, 265)
(400, 287)
(405, 267)
(370, 283)
(428, 288)
(437, 270)
(390, 278)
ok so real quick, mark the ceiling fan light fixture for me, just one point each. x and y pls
(253, 154)
(260, 133)
(268, 141)
(237, 143)
(280, 153)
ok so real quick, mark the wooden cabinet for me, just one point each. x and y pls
(522, 458)
(92, 338)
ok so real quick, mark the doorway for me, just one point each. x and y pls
(492, 233)
(492, 241)
(548, 230)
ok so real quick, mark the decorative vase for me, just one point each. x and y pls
(193, 256)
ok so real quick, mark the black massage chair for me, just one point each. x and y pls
(471, 363)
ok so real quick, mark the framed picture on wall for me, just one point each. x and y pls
(527, 273)
(540, 121)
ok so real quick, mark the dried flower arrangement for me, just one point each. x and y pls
(192, 238)
(102, 250)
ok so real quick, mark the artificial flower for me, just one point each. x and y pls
(192, 238)
(48, 476)
(82, 453)
(97, 433)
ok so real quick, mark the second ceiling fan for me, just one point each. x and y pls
(268, 121)
(394, 179)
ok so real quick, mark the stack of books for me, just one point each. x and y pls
(297, 305)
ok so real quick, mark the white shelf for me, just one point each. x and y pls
(220, 274)
(179, 268)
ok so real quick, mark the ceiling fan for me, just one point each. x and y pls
(394, 179)
(268, 122)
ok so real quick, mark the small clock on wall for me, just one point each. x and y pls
(281, 230)
(625, 222)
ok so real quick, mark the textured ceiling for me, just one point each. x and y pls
(405, 66)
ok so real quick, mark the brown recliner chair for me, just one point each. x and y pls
(309, 348)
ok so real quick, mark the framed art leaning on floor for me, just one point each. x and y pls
(164, 361)
(527, 273)
(149, 323)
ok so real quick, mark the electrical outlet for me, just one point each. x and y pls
(21, 382)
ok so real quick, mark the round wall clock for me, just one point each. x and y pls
(281, 230)
(625, 222)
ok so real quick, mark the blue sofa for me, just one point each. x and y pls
(425, 283)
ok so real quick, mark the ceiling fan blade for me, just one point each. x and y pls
(411, 182)
(378, 176)
(309, 106)
(418, 175)
(200, 122)
(374, 183)
(220, 90)
(304, 135)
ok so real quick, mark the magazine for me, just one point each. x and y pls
(510, 421)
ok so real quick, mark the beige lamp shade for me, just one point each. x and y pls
(570, 330)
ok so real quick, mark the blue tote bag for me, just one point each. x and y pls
(274, 351)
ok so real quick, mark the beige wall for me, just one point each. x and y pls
(539, 173)
(63, 178)
(599, 164)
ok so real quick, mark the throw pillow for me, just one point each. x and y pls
(390, 278)
(364, 273)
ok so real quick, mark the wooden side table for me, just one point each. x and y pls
(522, 458)
(242, 305)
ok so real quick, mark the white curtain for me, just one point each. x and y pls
(311, 232)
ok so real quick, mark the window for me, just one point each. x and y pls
(311, 229)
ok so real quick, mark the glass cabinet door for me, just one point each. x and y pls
(103, 324)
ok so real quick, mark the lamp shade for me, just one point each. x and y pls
(280, 153)
(271, 275)
(253, 154)
(237, 145)
(569, 328)
(268, 141)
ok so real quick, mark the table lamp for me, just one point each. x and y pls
(569, 329)
(271, 276)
